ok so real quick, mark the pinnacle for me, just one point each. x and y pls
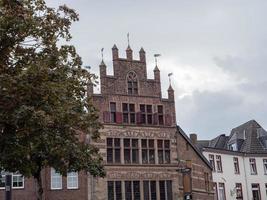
(102, 63)
(114, 47)
(128, 48)
(156, 69)
(170, 88)
(142, 50)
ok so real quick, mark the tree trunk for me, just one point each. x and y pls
(39, 185)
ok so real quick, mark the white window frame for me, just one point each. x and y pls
(252, 162)
(57, 176)
(17, 175)
(71, 177)
(3, 174)
(265, 166)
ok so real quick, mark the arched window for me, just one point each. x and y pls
(132, 83)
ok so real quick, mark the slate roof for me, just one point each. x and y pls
(249, 137)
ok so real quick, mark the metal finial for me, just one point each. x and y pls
(169, 75)
(102, 50)
(128, 39)
(156, 61)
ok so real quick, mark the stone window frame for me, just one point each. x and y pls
(148, 149)
(16, 177)
(149, 194)
(135, 192)
(167, 194)
(113, 112)
(129, 113)
(146, 114)
(131, 148)
(132, 79)
(116, 189)
(114, 148)
(160, 115)
(55, 176)
(164, 150)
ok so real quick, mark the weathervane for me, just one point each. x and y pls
(169, 75)
(128, 39)
(156, 55)
(102, 50)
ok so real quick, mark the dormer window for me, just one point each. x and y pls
(132, 83)
(233, 147)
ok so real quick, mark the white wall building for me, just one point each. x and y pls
(239, 162)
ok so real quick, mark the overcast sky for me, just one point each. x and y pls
(217, 51)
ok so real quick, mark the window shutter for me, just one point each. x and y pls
(138, 118)
(155, 119)
(168, 120)
(119, 117)
(106, 117)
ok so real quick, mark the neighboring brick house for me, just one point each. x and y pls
(141, 145)
(239, 162)
(75, 186)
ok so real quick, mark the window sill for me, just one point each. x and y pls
(55, 189)
(13, 188)
(76, 188)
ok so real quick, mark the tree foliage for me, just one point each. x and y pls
(43, 102)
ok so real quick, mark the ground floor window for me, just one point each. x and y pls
(114, 190)
(239, 193)
(56, 180)
(150, 190)
(131, 190)
(17, 180)
(72, 180)
(221, 191)
(165, 188)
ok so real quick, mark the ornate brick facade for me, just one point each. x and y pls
(134, 114)
(144, 151)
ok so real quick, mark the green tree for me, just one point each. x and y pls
(43, 101)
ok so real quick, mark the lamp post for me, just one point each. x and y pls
(8, 188)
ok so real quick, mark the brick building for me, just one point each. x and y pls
(146, 155)
(140, 142)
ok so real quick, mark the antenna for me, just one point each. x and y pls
(156, 55)
(169, 75)
(102, 50)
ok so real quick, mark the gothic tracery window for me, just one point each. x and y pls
(132, 83)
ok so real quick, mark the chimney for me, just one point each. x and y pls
(193, 138)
